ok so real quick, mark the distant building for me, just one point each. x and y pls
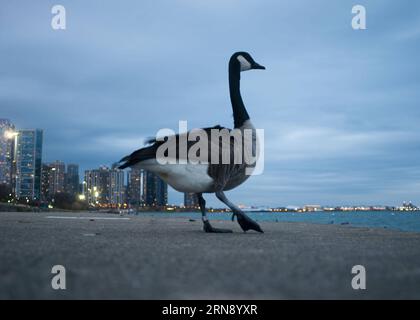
(45, 183)
(96, 186)
(190, 200)
(72, 179)
(104, 187)
(52, 179)
(312, 207)
(7, 142)
(28, 158)
(161, 192)
(135, 187)
(57, 177)
(116, 187)
(155, 190)
(408, 206)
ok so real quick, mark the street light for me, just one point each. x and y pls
(9, 134)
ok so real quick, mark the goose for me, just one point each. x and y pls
(207, 177)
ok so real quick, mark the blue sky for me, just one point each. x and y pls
(340, 108)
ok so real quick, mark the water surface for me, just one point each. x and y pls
(404, 221)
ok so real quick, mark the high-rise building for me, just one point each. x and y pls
(135, 187)
(28, 158)
(56, 179)
(58, 170)
(96, 186)
(52, 179)
(190, 200)
(7, 141)
(104, 187)
(116, 187)
(72, 179)
(45, 183)
(155, 190)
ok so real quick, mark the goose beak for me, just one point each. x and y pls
(258, 66)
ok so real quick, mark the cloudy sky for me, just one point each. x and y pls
(340, 108)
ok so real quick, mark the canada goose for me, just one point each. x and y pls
(208, 177)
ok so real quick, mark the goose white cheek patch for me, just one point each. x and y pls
(245, 65)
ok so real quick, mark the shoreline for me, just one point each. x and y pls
(388, 220)
(406, 222)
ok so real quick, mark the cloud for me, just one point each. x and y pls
(296, 143)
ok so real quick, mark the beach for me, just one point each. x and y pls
(142, 257)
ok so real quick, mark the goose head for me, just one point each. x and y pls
(243, 61)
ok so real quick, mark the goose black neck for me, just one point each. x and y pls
(240, 115)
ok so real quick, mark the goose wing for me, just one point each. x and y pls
(149, 152)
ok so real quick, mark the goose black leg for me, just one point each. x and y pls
(207, 227)
(244, 221)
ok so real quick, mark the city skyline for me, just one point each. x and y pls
(30, 179)
(118, 182)
(27, 161)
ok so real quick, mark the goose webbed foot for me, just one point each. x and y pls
(207, 227)
(247, 223)
(244, 221)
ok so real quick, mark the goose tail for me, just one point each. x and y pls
(136, 157)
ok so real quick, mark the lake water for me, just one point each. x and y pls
(404, 221)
